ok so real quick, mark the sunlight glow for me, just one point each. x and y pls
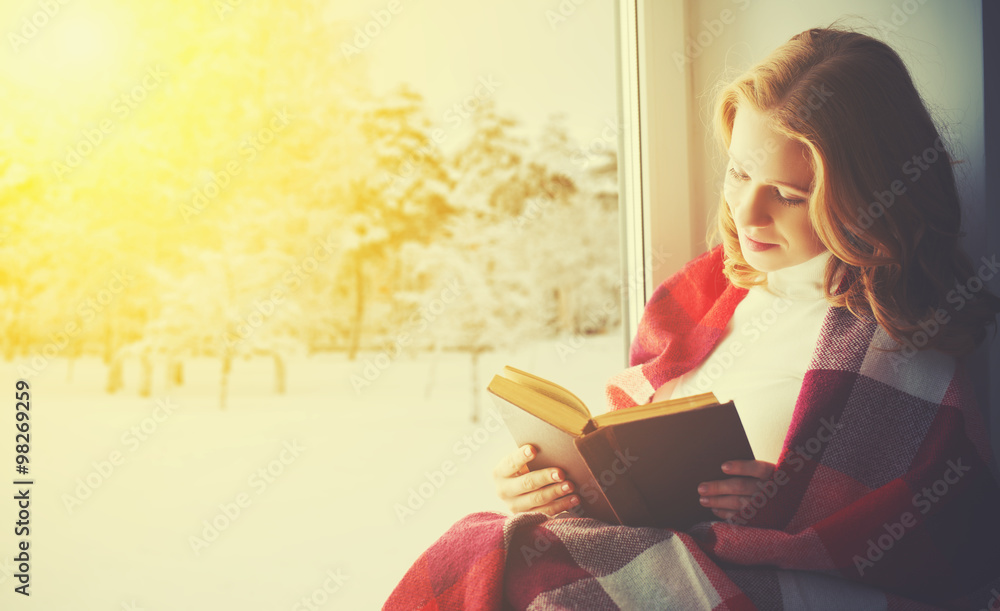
(78, 50)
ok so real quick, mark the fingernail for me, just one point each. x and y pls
(702, 489)
(565, 487)
(727, 466)
(527, 452)
(574, 501)
(703, 501)
(557, 476)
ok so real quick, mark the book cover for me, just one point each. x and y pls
(639, 466)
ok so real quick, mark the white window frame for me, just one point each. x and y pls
(654, 169)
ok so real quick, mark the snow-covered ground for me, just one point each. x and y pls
(169, 503)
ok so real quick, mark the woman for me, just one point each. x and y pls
(835, 314)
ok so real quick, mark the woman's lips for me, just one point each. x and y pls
(756, 246)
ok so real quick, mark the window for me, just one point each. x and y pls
(264, 257)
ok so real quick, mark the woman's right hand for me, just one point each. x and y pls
(545, 490)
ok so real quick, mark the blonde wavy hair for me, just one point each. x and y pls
(884, 200)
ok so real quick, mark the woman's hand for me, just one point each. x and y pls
(726, 497)
(545, 490)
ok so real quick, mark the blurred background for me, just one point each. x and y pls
(261, 260)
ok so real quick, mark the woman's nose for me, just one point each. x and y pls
(753, 209)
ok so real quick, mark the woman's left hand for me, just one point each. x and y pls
(726, 497)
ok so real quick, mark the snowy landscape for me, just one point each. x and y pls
(329, 515)
(261, 260)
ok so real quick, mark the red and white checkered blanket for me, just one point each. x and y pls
(885, 495)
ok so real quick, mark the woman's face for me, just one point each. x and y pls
(767, 187)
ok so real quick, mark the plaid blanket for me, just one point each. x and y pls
(885, 495)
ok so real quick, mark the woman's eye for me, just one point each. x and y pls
(738, 175)
(786, 200)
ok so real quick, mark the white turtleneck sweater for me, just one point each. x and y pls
(762, 358)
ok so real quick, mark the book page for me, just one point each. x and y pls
(547, 388)
(656, 409)
(542, 406)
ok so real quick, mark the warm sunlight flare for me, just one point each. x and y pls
(231, 229)
(76, 49)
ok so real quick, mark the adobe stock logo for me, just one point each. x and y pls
(365, 34)
(38, 21)
(436, 479)
(958, 297)
(994, 602)
(913, 169)
(711, 31)
(924, 500)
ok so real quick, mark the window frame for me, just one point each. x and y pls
(654, 177)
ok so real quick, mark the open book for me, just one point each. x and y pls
(639, 466)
